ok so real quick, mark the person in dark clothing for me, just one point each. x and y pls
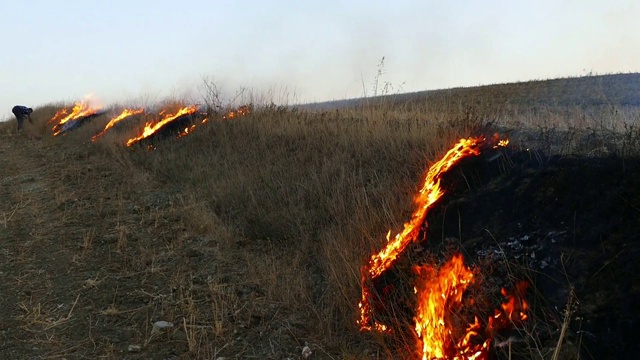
(22, 112)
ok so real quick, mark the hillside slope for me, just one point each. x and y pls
(586, 91)
(87, 255)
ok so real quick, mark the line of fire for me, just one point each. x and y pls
(440, 292)
(168, 124)
(125, 114)
(181, 123)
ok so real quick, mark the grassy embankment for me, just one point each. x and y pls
(273, 214)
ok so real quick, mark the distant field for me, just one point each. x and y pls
(612, 90)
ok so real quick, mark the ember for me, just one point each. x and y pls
(123, 115)
(189, 130)
(240, 111)
(439, 292)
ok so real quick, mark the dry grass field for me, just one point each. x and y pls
(247, 235)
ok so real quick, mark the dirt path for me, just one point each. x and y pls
(28, 263)
(80, 253)
(93, 252)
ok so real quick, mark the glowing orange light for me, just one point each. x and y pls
(123, 115)
(439, 291)
(150, 128)
(427, 196)
(81, 109)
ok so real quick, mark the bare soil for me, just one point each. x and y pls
(90, 256)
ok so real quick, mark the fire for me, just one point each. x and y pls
(514, 310)
(123, 115)
(427, 196)
(233, 114)
(188, 130)
(59, 114)
(80, 110)
(440, 292)
(240, 111)
(150, 128)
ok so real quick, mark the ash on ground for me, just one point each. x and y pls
(568, 225)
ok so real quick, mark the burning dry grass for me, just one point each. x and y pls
(249, 234)
(312, 187)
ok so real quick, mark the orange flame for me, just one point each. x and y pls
(188, 130)
(503, 143)
(427, 196)
(514, 310)
(59, 114)
(80, 109)
(123, 115)
(240, 111)
(439, 294)
(150, 128)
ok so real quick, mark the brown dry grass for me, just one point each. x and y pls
(248, 235)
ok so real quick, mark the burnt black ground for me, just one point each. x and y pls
(173, 128)
(563, 222)
(75, 124)
(567, 225)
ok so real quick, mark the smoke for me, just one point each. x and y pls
(296, 52)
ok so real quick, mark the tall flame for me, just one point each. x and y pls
(81, 109)
(123, 115)
(150, 128)
(427, 196)
(439, 295)
(439, 292)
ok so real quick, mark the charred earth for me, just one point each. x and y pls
(568, 225)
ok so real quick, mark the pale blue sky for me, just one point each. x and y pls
(57, 50)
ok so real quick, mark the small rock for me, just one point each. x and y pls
(135, 348)
(306, 352)
(159, 326)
